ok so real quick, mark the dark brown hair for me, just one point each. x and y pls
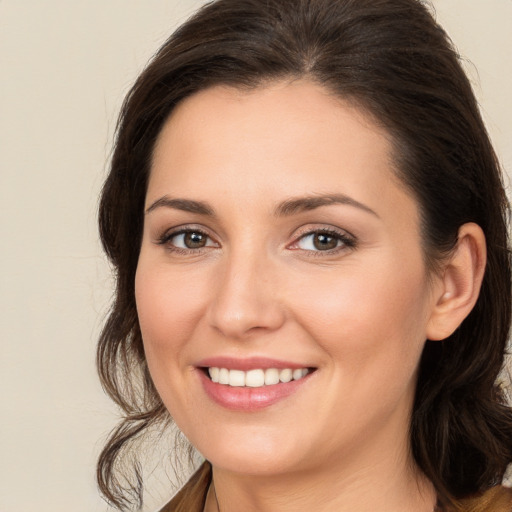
(391, 59)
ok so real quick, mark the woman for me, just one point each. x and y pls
(307, 221)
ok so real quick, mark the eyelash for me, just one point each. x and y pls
(166, 238)
(348, 241)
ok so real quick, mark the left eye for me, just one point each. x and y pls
(321, 241)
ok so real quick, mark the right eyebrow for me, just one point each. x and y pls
(186, 205)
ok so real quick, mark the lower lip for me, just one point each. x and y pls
(249, 399)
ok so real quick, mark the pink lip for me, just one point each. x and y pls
(251, 363)
(245, 399)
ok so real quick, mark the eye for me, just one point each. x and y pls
(189, 240)
(186, 240)
(324, 241)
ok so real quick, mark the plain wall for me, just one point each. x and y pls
(65, 67)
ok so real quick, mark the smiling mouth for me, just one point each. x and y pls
(255, 378)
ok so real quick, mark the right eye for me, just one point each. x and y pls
(186, 240)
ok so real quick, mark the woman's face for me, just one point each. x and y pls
(278, 244)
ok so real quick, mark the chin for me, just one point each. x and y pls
(252, 452)
(253, 463)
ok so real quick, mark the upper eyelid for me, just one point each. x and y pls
(326, 228)
(178, 230)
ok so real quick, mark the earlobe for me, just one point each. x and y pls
(459, 284)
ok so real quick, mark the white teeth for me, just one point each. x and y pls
(286, 375)
(255, 378)
(297, 374)
(271, 376)
(223, 376)
(236, 378)
(214, 374)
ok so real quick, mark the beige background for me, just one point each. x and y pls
(64, 69)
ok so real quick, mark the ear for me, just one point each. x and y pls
(459, 283)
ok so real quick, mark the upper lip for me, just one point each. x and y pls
(250, 363)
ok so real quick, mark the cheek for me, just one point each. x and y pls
(169, 311)
(168, 308)
(371, 316)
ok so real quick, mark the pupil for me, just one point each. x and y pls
(195, 240)
(324, 242)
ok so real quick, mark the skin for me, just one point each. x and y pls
(359, 314)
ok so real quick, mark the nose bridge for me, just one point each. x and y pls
(245, 294)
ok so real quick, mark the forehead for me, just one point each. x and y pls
(282, 112)
(287, 138)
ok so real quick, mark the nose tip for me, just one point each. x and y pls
(245, 301)
(240, 320)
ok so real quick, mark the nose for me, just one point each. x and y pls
(246, 297)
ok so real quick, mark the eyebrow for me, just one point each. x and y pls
(286, 208)
(301, 204)
(186, 205)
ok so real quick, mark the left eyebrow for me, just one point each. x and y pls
(302, 204)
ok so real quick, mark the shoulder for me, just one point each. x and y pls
(192, 495)
(497, 499)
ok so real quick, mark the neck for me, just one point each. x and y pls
(382, 484)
